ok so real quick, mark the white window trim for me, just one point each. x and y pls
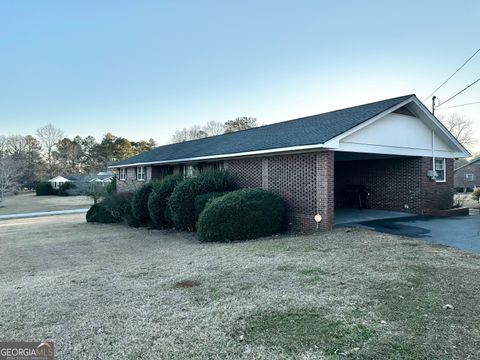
(469, 177)
(122, 176)
(444, 170)
(142, 172)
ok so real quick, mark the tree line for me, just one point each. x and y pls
(213, 128)
(27, 159)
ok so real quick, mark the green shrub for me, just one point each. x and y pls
(242, 214)
(101, 214)
(114, 208)
(92, 213)
(182, 200)
(202, 200)
(65, 188)
(140, 203)
(158, 199)
(44, 188)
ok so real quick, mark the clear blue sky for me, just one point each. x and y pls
(144, 69)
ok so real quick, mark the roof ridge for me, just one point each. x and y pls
(286, 121)
(310, 129)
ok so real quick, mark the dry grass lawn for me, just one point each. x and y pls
(113, 292)
(25, 203)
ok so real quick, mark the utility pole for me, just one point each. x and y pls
(433, 104)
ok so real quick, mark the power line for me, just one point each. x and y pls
(458, 93)
(454, 106)
(456, 71)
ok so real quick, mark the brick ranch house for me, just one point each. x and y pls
(467, 176)
(389, 146)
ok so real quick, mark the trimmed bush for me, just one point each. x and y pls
(182, 200)
(44, 188)
(241, 215)
(158, 200)
(65, 188)
(140, 203)
(115, 208)
(101, 214)
(202, 200)
(92, 213)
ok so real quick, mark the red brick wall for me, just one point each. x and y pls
(437, 195)
(305, 181)
(395, 182)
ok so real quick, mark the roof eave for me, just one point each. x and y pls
(226, 156)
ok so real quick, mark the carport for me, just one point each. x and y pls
(394, 166)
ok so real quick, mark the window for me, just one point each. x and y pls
(123, 174)
(440, 170)
(469, 177)
(140, 173)
(191, 171)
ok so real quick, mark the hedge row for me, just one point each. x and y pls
(203, 202)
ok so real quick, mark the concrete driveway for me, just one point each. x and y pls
(462, 232)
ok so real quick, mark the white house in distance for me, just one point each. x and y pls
(58, 181)
(103, 177)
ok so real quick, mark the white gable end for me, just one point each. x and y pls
(399, 135)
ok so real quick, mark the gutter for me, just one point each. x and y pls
(226, 156)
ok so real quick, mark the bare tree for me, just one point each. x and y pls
(240, 123)
(213, 128)
(8, 175)
(3, 145)
(195, 132)
(460, 127)
(49, 136)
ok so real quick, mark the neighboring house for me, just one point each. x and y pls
(395, 148)
(58, 181)
(103, 177)
(467, 176)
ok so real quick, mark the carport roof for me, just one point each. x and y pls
(311, 130)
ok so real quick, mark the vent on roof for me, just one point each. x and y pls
(404, 111)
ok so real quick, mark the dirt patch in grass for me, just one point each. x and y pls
(297, 331)
(187, 284)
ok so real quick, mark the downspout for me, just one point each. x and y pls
(433, 152)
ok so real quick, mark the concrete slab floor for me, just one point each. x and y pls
(345, 216)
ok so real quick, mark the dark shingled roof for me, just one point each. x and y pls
(316, 129)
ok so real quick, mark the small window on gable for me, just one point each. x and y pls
(440, 170)
(469, 177)
(123, 174)
(140, 173)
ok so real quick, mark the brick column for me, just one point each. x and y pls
(324, 183)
